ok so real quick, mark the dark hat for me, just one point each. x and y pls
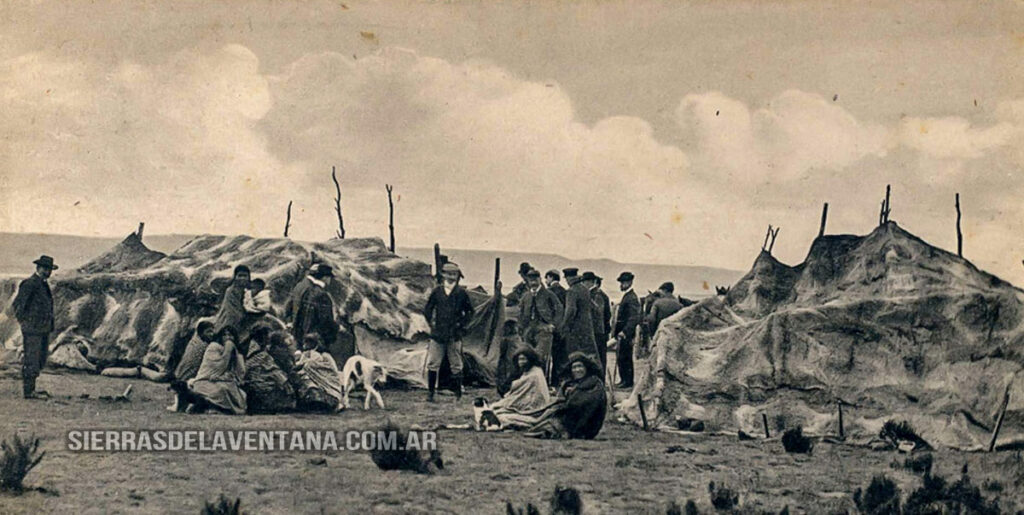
(524, 267)
(239, 269)
(46, 261)
(553, 273)
(590, 276)
(570, 272)
(322, 270)
(667, 287)
(533, 273)
(625, 276)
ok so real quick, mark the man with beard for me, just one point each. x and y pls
(628, 317)
(33, 308)
(577, 328)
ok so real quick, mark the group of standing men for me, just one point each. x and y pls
(557, 321)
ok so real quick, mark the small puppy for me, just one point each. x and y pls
(362, 370)
(484, 416)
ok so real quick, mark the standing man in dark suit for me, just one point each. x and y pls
(310, 310)
(551, 279)
(602, 315)
(628, 317)
(540, 312)
(577, 328)
(33, 308)
(449, 311)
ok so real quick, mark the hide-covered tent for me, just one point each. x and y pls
(131, 306)
(892, 327)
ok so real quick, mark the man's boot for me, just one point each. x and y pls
(28, 387)
(431, 384)
(457, 382)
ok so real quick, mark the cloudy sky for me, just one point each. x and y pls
(664, 132)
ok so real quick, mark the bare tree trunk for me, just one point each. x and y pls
(824, 217)
(959, 234)
(391, 216)
(337, 205)
(764, 246)
(142, 225)
(288, 219)
(771, 245)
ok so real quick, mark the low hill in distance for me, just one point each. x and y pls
(18, 250)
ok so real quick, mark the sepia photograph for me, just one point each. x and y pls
(520, 257)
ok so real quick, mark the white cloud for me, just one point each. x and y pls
(953, 137)
(795, 133)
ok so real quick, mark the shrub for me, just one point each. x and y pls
(882, 496)
(722, 498)
(401, 458)
(794, 441)
(19, 458)
(566, 501)
(919, 463)
(223, 506)
(938, 496)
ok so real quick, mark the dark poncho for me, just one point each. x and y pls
(585, 407)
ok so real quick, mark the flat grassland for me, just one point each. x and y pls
(624, 470)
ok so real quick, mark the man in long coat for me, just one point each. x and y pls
(33, 308)
(602, 315)
(309, 309)
(628, 317)
(540, 312)
(577, 328)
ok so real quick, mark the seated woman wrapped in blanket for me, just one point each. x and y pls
(320, 387)
(527, 393)
(579, 410)
(217, 384)
(267, 384)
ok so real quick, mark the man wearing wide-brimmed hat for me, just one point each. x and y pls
(449, 312)
(33, 308)
(310, 309)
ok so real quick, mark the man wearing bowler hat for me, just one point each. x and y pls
(33, 308)
(627, 318)
(602, 315)
(516, 295)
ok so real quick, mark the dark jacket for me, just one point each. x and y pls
(559, 292)
(515, 297)
(33, 306)
(540, 307)
(660, 310)
(448, 315)
(313, 312)
(629, 316)
(603, 314)
(577, 327)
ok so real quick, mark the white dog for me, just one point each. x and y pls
(365, 371)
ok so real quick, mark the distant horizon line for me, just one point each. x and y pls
(547, 253)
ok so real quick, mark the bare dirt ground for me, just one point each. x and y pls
(624, 470)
